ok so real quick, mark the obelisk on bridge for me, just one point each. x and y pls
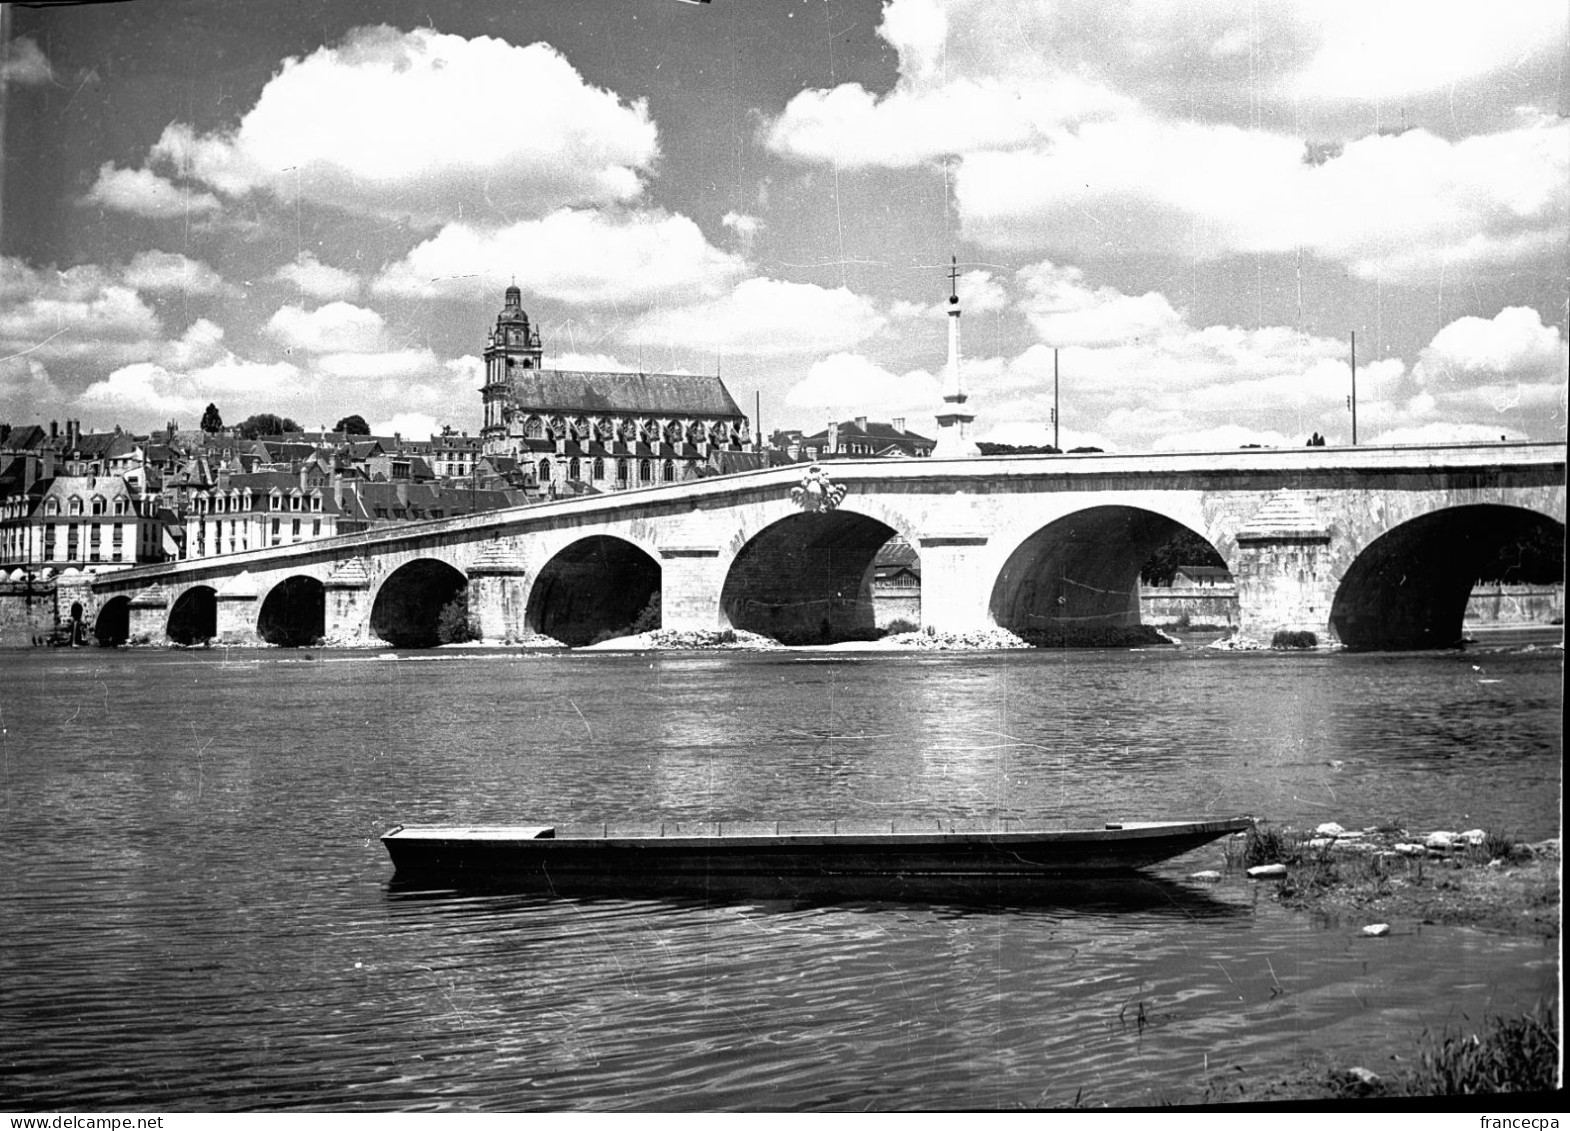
(953, 421)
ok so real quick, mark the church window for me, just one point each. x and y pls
(558, 428)
(621, 472)
(574, 469)
(599, 469)
(695, 433)
(605, 429)
(534, 429)
(668, 472)
(645, 471)
(545, 470)
(580, 428)
(673, 432)
(717, 433)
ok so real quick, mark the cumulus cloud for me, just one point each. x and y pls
(170, 271)
(23, 63)
(145, 391)
(848, 384)
(574, 256)
(763, 318)
(26, 390)
(315, 279)
(143, 192)
(426, 125)
(338, 327)
(80, 312)
(1148, 127)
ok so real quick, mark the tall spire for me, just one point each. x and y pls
(953, 421)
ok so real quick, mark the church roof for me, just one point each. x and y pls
(654, 394)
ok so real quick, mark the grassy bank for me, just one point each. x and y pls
(1481, 878)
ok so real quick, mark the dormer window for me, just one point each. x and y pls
(294, 502)
(119, 505)
(52, 506)
(275, 502)
(75, 506)
(99, 506)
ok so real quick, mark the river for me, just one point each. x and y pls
(198, 915)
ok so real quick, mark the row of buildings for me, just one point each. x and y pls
(71, 500)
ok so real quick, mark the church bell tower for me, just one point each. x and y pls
(510, 346)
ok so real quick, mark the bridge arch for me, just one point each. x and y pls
(294, 612)
(592, 588)
(193, 618)
(807, 578)
(1078, 576)
(1409, 587)
(409, 602)
(112, 627)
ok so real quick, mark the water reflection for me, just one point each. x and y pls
(198, 916)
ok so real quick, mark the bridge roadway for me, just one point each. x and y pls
(1374, 547)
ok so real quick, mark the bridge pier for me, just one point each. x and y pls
(236, 601)
(955, 588)
(499, 595)
(348, 604)
(1283, 571)
(149, 617)
(690, 584)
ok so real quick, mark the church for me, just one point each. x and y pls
(608, 431)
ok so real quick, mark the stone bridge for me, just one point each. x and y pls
(1374, 547)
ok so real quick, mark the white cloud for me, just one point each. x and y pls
(1402, 47)
(1443, 433)
(145, 391)
(338, 327)
(76, 313)
(24, 63)
(406, 424)
(142, 192)
(1512, 343)
(573, 256)
(1066, 312)
(408, 364)
(848, 384)
(27, 391)
(315, 279)
(764, 318)
(170, 271)
(427, 125)
(200, 345)
(1224, 437)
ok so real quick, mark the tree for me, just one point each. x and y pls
(1183, 548)
(453, 624)
(211, 420)
(353, 426)
(265, 424)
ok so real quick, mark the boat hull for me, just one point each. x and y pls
(534, 858)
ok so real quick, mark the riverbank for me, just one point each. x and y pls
(1400, 880)
(1389, 883)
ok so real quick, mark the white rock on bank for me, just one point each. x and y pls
(1377, 930)
(1267, 871)
(1441, 841)
(1208, 876)
(1410, 849)
(1329, 828)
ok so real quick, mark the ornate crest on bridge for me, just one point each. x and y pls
(817, 492)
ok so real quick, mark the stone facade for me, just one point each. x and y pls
(610, 431)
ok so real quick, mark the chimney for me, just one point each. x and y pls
(899, 424)
(834, 439)
(54, 429)
(861, 422)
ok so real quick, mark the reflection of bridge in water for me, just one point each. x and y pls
(1376, 547)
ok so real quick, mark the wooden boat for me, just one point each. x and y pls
(534, 856)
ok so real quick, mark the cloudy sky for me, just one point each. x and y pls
(313, 210)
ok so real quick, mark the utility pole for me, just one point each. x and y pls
(1352, 400)
(1055, 443)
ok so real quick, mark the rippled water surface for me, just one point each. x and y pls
(198, 914)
